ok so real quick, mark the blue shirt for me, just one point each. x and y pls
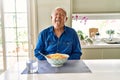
(49, 43)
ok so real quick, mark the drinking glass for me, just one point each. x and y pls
(32, 66)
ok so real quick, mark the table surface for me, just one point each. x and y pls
(108, 69)
(71, 66)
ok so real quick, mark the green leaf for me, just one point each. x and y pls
(110, 31)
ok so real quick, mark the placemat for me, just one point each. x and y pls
(71, 66)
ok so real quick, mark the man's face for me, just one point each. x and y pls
(58, 18)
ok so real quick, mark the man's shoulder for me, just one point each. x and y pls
(69, 28)
(46, 29)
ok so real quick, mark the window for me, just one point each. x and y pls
(103, 22)
(14, 31)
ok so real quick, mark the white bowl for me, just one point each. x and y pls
(57, 61)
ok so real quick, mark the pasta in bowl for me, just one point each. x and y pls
(57, 59)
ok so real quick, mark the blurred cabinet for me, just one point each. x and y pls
(91, 53)
(111, 53)
(96, 6)
(101, 53)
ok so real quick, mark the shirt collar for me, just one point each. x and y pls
(52, 28)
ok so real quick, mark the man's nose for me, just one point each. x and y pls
(58, 15)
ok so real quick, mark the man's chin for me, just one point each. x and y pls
(56, 26)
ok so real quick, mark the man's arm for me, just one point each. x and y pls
(39, 48)
(76, 49)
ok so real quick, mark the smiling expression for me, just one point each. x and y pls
(58, 18)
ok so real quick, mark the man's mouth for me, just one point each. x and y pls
(57, 20)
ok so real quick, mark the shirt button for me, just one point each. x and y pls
(57, 51)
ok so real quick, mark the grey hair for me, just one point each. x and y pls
(59, 8)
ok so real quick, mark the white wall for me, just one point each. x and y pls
(45, 8)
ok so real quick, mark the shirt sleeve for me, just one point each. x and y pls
(39, 47)
(76, 49)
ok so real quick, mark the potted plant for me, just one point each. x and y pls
(110, 32)
(84, 38)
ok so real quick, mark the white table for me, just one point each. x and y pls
(101, 70)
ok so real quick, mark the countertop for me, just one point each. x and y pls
(100, 44)
(104, 69)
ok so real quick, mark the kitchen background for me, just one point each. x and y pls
(22, 20)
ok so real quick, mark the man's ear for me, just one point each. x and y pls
(51, 17)
(66, 19)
